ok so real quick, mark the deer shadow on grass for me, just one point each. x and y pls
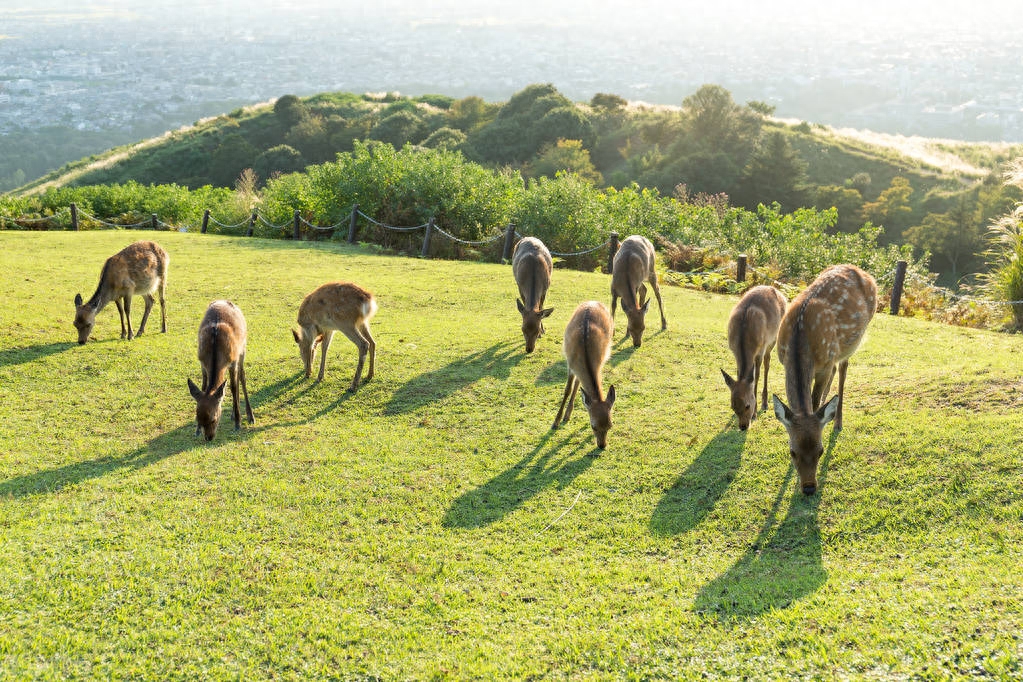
(693, 494)
(784, 563)
(168, 444)
(496, 361)
(549, 463)
(20, 356)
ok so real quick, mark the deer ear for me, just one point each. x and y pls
(518, 304)
(586, 398)
(193, 389)
(610, 396)
(645, 307)
(294, 333)
(750, 374)
(546, 313)
(219, 393)
(78, 300)
(782, 412)
(729, 381)
(828, 411)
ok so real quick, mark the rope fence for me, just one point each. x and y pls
(896, 277)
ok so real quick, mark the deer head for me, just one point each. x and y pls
(805, 438)
(307, 341)
(744, 396)
(85, 319)
(207, 408)
(532, 323)
(600, 415)
(637, 322)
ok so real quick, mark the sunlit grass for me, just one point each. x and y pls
(431, 525)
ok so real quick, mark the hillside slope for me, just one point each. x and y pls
(432, 525)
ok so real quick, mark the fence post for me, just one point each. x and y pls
(74, 217)
(154, 221)
(205, 221)
(353, 224)
(509, 237)
(612, 249)
(252, 225)
(426, 238)
(298, 226)
(740, 268)
(900, 278)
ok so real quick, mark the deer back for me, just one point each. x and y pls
(531, 266)
(222, 339)
(587, 347)
(331, 306)
(752, 333)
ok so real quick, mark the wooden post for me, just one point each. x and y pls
(426, 238)
(205, 221)
(612, 249)
(740, 268)
(252, 225)
(509, 237)
(74, 218)
(353, 224)
(298, 226)
(900, 278)
(154, 221)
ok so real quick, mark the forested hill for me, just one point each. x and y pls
(709, 145)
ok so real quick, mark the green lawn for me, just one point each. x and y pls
(432, 526)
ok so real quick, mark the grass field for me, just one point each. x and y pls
(431, 525)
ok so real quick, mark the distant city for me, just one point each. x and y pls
(148, 67)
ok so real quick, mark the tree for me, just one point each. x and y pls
(230, 158)
(608, 102)
(775, 173)
(278, 160)
(565, 155)
(762, 108)
(891, 209)
(310, 137)
(847, 201)
(470, 114)
(954, 237)
(398, 128)
(717, 123)
(290, 110)
(444, 138)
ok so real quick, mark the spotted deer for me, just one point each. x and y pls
(222, 339)
(336, 306)
(587, 347)
(821, 330)
(752, 333)
(531, 265)
(137, 270)
(633, 265)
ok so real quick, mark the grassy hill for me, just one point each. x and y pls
(432, 526)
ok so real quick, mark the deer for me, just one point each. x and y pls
(632, 267)
(336, 306)
(820, 331)
(531, 265)
(139, 269)
(222, 339)
(752, 333)
(587, 347)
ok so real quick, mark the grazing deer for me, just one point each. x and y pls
(531, 265)
(336, 306)
(137, 270)
(752, 332)
(587, 347)
(632, 266)
(222, 338)
(821, 330)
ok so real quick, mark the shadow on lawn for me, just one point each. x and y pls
(19, 356)
(693, 495)
(176, 441)
(783, 564)
(544, 466)
(496, 361)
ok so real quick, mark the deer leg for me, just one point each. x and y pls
(821, 387)
(127, 315)
(120, 314)
(245, 389)
(325, 338)
(660, 304)
(767, 367)
(364, 331)
(148, 298)
(641, 295)
(163, 307)
(842, 368)
(363, 345)
(564, 399)
(571, 399)
(235, 412)
(614, 304)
